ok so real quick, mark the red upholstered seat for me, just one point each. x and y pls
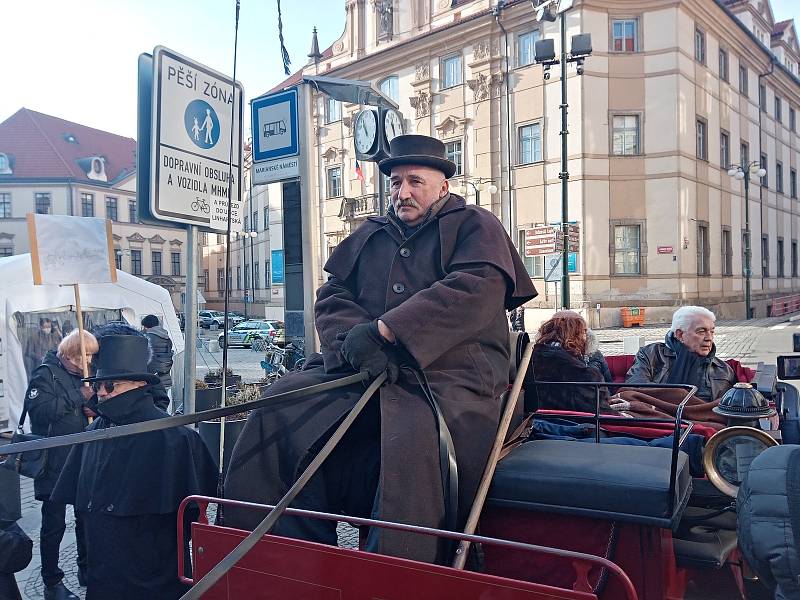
(619, 366)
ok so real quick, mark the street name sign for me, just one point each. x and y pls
(192, 129)
(276, 145)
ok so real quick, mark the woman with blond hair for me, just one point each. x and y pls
(56, 405)
(559, 355)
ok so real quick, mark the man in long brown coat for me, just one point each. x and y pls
(428, 286)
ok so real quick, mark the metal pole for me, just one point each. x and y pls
(190, 322)
(244, 258)
(306, 203)
(747, 245)
(252, 269)
(564, 174)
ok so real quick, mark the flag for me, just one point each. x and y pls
(359, 172)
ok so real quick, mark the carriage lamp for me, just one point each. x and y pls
(744, 403)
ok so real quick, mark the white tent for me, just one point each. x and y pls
(133, 296)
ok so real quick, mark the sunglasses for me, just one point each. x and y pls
(108, 385)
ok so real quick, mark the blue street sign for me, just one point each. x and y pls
(275, 128)
(277, 266)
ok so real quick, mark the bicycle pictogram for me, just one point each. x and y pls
(201, 205)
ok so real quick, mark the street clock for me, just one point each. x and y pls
(392, 124)
(374, 129)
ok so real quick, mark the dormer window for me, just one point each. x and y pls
(5, 165)
(97, 169)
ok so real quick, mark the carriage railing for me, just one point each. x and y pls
(577, 557)
(678, 437)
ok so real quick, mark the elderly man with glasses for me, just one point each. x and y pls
(129, 488)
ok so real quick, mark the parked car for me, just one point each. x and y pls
(209, 317)
(244, 334)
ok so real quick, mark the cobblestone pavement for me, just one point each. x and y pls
(734, 339)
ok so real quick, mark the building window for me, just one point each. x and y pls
(5, 165)
(176, 264)
(118, 258)
(765, 166)
(256, 277)
(744, 154)
(525, 47)
(451, 71)
(390, 87)
(6, 250)
(700, 46)
(254, 222)
(794, 258)
(765, 256)
(111, 208)
(723, 64)
(727, 253)
(133, 215)
(266, 274)
(238, 278)
(534, 265)
(779, 177)
(724, 150)
(627, 250)
(793, 183)
(778, 110)
(530, 143)
(5, 205)
(220, 238)
(743, 83)
(781, 273)
(792, 119)
(266, 218)
(247, 277)
(453, 150)
(206, 283)
(702, 139)
(246, 228)
(703, 251)
(42, 202)
(762, 97)
(136, 262)
(624, 35)
(221, 280)
(156, 256)
(333, 110)
(87, 205)
(334, 182)
(625, 135)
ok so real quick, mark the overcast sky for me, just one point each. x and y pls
(77, 60)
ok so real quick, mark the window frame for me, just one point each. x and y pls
(642, 250)
(794, 258)
(764, 162)
(613, 37)
(329, 187)
(765, 256)
(744, 153)
(724, 149)
(156, 254)
(726, 245)
(445, 84)
(173, 264)
(40, 197)
(792, 119)
(781, 258)
(744, 80)
(136, 261)
(332, 116)
(700, 49)
(459, 154)
(703, 249)
(6, 207)
(614, 132)
(724, 65)
(87, 201)
(536, 35)
(778, 109)
(394, 94)
(701, 121)
(778, 177)
(792, 183)
(762, 97)
(133, 210)
(111, 208)
(6, 249)
(520, 153)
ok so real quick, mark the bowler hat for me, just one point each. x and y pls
(420, 150)
(123, 357)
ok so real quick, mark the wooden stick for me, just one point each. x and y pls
(491, 464)
(79, 313)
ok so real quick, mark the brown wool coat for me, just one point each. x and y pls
(443, 292)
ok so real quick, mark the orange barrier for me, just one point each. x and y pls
(784, 305)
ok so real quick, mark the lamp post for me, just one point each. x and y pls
(478, 184)
(743, 171)
(544, 54)
(245, 235)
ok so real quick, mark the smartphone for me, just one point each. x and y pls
(789, 367)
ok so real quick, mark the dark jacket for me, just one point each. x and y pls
(654, 361)
(553, 363)
(55, 407)
(598, 361)
(768, 519)
(16, 551)
(161, 347)
(129, 489)
(443, 290)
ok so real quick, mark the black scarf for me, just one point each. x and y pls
(689, 367)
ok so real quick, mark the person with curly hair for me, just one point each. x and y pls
(559, 355)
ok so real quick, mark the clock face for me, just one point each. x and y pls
(366, 130)
(392, 124)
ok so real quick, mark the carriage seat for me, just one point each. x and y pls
(620, 365)
(606, 481)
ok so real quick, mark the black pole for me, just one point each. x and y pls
(252, 269)
(564, 174)
(747, 246)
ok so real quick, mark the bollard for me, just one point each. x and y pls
(632, 343)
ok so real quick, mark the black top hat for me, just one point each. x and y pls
(417, 150)
(123, 357)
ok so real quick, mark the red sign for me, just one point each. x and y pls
(665, 249)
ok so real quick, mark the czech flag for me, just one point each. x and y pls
(359, 172)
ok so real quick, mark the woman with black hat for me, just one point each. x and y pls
(130, 488)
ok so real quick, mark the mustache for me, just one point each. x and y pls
(408, 202)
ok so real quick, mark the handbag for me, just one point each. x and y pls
(28, 464)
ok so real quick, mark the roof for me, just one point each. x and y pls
(782, 26)
(43, 146)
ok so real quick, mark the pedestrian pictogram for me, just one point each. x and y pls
(202, 124)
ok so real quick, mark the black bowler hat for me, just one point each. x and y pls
(123, 358)
(419, 150)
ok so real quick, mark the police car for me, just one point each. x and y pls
(245, 333)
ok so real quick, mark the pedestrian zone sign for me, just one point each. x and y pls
(196, 113)
(276, 146)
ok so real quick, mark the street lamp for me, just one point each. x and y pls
(743, 172)
(544, 54)
(478, 184)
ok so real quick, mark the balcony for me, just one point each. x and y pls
(358, 208)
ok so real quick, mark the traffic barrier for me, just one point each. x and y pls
(784, 305)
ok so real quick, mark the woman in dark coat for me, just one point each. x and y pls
(558, 355)
(55, 403)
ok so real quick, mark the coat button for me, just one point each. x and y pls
(110, 507)
(399, 288)
(89, 505)
(405, 252)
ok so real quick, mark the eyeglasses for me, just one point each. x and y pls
(108, 385)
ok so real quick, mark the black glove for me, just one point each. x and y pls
(367, 350)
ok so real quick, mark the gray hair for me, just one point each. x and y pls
(592, 343)
(686, 315)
